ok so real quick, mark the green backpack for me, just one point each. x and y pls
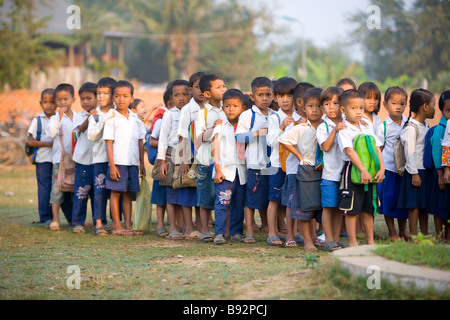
(365, 147)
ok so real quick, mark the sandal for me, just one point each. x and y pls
(101, 231)
(332, 246)
(54, 226)
(290, 244)
(78, 229)
(136, 232)
(218, 240)
(271, 241)
(249, 240)
(175, 236)
(162, 232)
(206, 237)
(236, 238)
(122, 233)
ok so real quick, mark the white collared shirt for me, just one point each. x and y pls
(332, 160)
(188, 114)
(388, 138)
(346, 137)
(228, 154)
(213, 114)
(83, 149)
(168, 137)
(304, 138)
(414, 146)
(275, 133)
(125, 134)
(256, 153)
(376, 121)
(43, 154)
(95, 134)
(54, 128)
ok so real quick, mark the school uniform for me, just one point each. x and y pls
(304, 138)
(125, 134)
(100, 162)
(84, 171)
(389, 190)
(257, 157)
(414, 144)
(332, 165)
(205, 183)
(359, 199)
(158, 192)
(44, 167)
(376, 121)
(277, 180)
(230, 194)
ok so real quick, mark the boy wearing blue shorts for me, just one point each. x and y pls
(332, 166)
(124, 136)
(252, 130)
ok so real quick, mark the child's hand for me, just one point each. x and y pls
(142, 170)
(366, 177)
(364, 123)
(184, 169)
(303, 121)
(217, 123)
(219, 177)
(163, 169)
(416, 181)
(93, 112)
(379, 177)
(441, 183)
(288, 121)
(114, 173)
(447, 175)
(261, 133)
(61, 111)
(341, 126)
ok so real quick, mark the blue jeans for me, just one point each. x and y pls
(83, 190)
(44, 182)
(101, 195)
(205, 188)
(229, 195)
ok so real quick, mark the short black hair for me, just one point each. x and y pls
(351, 94)
(300, 89)
(177, 83)
(195, 77)
(313, 93)
(370, 89)
(233, 94)
(284, 86)
(205, 81)
(106, 82)
(88, 87)
(65, 87)
(261, 82)
(248, 102)
(135, 103)
(122, 84)
(444, 97)
(346, 81)
(49, 92)
(166, 97)
(329, 93)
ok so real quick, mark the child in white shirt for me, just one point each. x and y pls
(372, 95)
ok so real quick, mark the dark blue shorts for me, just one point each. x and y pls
(172, 195)
(128, 181)
(287, 195)
(257, 197)
(276, 183)
(187, 197)
(330, 193)
(158, 194)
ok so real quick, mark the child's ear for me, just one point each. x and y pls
(207, 94)
(252, 97)
(299, 102)
(342, 109)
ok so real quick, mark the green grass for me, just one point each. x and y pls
(34, 263)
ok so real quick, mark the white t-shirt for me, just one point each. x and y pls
(43, 154)
(388, 138)
(168, 136)
(83, 149)
(57, 126)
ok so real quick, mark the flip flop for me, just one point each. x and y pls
(273, 239)
(175, 236)
(162, 232)
(78, 229)
(332, 246)
(54, 226)
(206, 237)
(249, 240)
(123, 233)
(101, 232)
(195, 235)
(219, 240)
(291, 244)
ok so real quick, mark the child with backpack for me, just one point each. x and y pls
(388, 133)
(413, 190)
(359, 195)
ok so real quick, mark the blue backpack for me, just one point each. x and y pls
(428, 162)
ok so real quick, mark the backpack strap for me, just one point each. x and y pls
(252, 123)
(39, 128)
(385, 133)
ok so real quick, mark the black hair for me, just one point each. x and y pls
(351, 94)
(444, 97)
(313, 93)
(122, 84)
(261, 82)
(418, 98)
(65, 87)
(329, 93)
(135, 103)
(106, 83)
(195, 77)
(300, 89)
(205, 81)
(166, 97)
(346, 81)
(49, 92)
(177, 83)
(370, 89)
(233, 94)
(88, 87)
(248, 102)
(284, 86)
(394, 90)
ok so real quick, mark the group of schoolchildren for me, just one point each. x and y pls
(287, 150)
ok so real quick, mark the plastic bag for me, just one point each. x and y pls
(142, 217)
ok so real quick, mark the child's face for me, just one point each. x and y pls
(353, 110)
(332, 108)
(64, 99)
(141, 109)
(285, 102)
(104, 97)
(198, 95)
(88, 101)
(262, 97)
(180, 96)
(446, 110)
(313, 110)
(218, 88)
(122, 98)
(371, 104)
(233, 109)
(396, 105)
(48, 104)
(431, 109)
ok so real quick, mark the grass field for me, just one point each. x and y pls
(34, 263)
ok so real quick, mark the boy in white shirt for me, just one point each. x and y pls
(60, 127)
(354, 199)
(97, 120)
(38, 139)
(252, 129)
(124, 137)
(332, 167)
(213, 88)
(282, 121)
(230, 172)
(82, 155)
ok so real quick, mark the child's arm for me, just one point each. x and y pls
(53, 126)
(408, 138)
(141, 158)
(366, 178)
(219, 175)
(95, 129)
(32, 142)
(83, 127)
(294, 151)
(379, 177)
(328, 144)
(113, 171)
(184, 166)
